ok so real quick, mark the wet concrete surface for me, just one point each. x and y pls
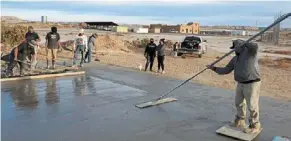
(100, 107)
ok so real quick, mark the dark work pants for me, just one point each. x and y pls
(89, 54)
(161, 62)
(79, 49)
(150, 60)
(12, 63)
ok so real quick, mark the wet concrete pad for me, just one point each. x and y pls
(72, 109)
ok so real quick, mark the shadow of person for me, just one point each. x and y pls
(79, 85)
(24, 96)
(91, 85)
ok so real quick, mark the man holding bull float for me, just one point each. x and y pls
(246, 73)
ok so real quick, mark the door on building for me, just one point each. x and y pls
(186, 30)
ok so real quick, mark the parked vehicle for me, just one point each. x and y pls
(193, 45)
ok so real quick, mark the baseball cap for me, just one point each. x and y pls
(236, 42)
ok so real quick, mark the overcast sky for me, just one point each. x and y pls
(145, 12)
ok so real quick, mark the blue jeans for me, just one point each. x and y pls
(79, 49)
(89, 54)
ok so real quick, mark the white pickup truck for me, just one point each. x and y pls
(193, 45)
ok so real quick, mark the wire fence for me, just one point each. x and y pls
(276, 35)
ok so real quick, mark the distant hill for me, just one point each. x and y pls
(11, 19)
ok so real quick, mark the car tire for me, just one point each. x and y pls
(180, 54)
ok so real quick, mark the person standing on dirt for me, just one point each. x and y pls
(91, 44)
(31, 35)
(175, 47)
(246, 73)
(80, 46)
(150, 54)
(52, 46)
(19, 55)
(161, 55)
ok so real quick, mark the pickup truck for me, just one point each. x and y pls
(193, 45)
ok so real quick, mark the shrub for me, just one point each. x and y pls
(12, 35)
(144, 42)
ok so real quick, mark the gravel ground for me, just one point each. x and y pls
(275, 81)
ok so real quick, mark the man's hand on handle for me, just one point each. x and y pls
(211, 67)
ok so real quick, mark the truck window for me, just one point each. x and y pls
(192, 38)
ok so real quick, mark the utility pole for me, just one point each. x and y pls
(276, 29)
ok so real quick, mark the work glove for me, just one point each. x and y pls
(211, 67)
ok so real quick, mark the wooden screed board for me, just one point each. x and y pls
(237, 133)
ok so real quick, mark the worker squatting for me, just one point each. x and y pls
(25, 54)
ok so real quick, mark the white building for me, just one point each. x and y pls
(251, 33)
(238, 33)
(142, 30)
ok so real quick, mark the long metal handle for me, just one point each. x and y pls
(24, 62)
(227, 54)
(255, 36)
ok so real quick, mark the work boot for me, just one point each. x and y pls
(75, 66)
(253, 128)
(9, 73)
(146, 67)
(53, 64)
(238, 123)
(47, 64)
(21, 73)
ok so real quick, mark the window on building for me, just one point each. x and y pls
(190, 30)
(182, 30)
(195, 30)
(196, 24)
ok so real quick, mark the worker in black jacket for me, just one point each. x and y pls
(150, 54)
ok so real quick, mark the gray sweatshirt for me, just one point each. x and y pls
(245, 65)
(161, 50)
(91, 42)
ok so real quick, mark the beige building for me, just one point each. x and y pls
(155, 30)
(121, 29)
(192, 28)
(170, 29)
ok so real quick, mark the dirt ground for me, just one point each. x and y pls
(118, 50)
(275, 81)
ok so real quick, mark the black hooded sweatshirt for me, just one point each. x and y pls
(150, 49)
